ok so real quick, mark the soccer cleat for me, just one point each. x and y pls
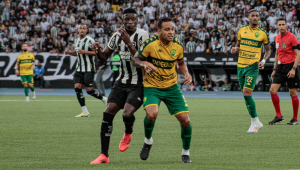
(125, 142)
(186, 159)
(33, 95)
(276, 120)
(101, 159)
(293, 122)
(83, 114)
(145, 151)
(104, 100)
(254, 128)
(27, 99)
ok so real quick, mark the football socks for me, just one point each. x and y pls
(80, 97)
(26, 91)
(128, 121)
(106, 130)
(95, 94)
(186, 137)
(295, 103)
(276, 103)
(148, 127)
(250, 104)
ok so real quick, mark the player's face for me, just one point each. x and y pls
(167, 31)
(254, 18)
(130, 22)
(24, 47)
(82, 30)
(281, 26)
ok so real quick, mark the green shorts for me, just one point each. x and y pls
(27, 79)
(172, 97)
(247, 76)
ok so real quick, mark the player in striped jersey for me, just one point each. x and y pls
(250, 40)
(127, 92)
(85, 69)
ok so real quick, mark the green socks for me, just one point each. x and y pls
(250, 104)
(186, 137)
(148, 126)
(26, 91)
(32, 89)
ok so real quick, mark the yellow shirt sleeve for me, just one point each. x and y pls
(239, 34)
(19, 59)
(32, 57)
(145, 49)
(266, 39)
(180, 56)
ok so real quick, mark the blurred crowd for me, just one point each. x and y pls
(201, 25)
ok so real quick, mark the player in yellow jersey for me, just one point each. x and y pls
(250, 40)
(25, 63)
(159, 56)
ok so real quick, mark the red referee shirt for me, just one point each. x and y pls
(285, 46)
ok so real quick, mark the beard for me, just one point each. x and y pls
(25, 51)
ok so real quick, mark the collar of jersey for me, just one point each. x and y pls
(164, 45)
(256, 28)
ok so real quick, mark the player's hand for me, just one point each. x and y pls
(67, 51)
(96, 47)
(81, 51)
(291, 74)
(187, 79)
(261, 65)
(234, 50)
(149, 67)
(273, 74)
(124, 36)
(17, 72)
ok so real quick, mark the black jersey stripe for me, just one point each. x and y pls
(84, 56)
(128, 65)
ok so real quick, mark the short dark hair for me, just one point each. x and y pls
(129, 10)
(281, 19)
(164, 19)
(252, 10)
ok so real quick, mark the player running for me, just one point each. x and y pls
(127, 92)
(250, 40)
(85, 69)
(288, 54)
(159, 56)
(25, 63)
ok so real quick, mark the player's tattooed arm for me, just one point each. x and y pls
(17, 68)
(103, 55)
(138, 61)
(236, 49)
(182, 68)
(266, 56)
(126, 39)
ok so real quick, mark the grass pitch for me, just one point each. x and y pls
(44, 134)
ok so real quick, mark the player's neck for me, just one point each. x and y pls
(165, 42)
(82, 36)
(130, 33)
(253, 26)
(283, 33)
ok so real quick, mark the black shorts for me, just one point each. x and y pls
(122, 93)
(281, 77)
(86, 78)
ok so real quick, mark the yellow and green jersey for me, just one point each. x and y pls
(25, 61)
(251, 40)
(164, 58)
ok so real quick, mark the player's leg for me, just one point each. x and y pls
(276, 101)
(178, 107)
(89, 83)
(98, 80)
(78, 84)
(31, 86)
(250, 73)
(133, 103)
(293, 84)
(152, 98)
(116, 101)
(24, 82)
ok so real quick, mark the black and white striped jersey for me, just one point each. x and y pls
(128, 74)
(85, 63)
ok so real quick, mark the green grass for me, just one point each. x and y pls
(44, 134)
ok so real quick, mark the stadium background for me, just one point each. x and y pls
(207, 29)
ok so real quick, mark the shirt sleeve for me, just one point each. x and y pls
(90, 43)
(295, 42)
(32, 57)
(266, 39)
(145, 49)
(18, 60)
(239, 35)
(112, 42)
(180, 56)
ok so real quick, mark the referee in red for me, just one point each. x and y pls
(286, 70)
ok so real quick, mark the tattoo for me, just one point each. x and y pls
(268, 52)
(137, 60)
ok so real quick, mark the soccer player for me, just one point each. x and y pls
(25, 63)
(288, 54)
(250, 40)
(85, 69)
(127, 92)
(159, 56)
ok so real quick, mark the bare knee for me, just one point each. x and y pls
(25, 85)
(127, 113)
(185, 123)
(247, 92)
(293, 92)
(151, 116)
(273, 90)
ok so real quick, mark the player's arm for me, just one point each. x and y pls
(236, 49)
(17, 66)
(68, 52)
(182, 68)
(296, 47)
(92, 53)
(266, 56)
(33, 62)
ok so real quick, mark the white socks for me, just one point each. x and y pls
(185, 152)
(84, 109)
(149, 141)
(254, 120)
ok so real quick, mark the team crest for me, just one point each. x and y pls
(257, 34)
(172, 52)
(284, 45)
